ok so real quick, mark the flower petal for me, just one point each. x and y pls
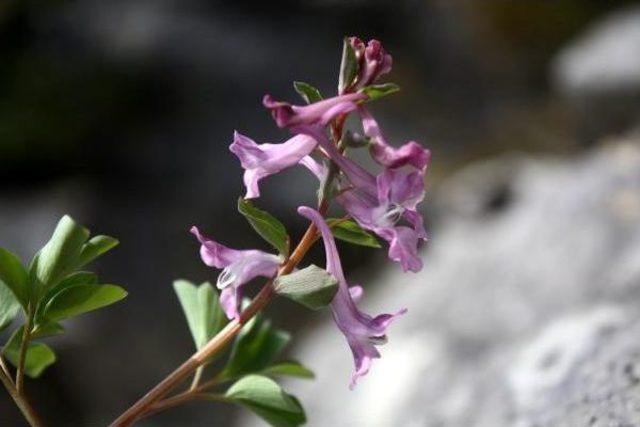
(321, 112)
(362, 331)
(410, 153)
(262, 160)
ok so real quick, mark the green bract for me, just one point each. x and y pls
(309, 93)
(266, 225)
(378, 91)
(350, 231)
(312, 287)
(348, 66)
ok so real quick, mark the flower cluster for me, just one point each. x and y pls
(383, 203)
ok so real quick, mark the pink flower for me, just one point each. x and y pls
(363, 332)
(411, 153)
(238, 268)
(373, 61)
(262, 160)
(318, 113)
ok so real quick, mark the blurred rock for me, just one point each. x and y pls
(605, 58)
(599, 72)
(527, 312)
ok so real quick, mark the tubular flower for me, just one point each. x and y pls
(238, 268)
(373, 62)
(363, 332)
(262, 160)
(318, 113)
(410, 153)
(379, 203)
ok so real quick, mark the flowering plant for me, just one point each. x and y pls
(381, 204)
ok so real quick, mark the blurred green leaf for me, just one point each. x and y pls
(266, 399)
(289, 369)
(309, 93)
(73, 279)
(255, 348)
(14, 276)
(379, 91)
(202, 310)
(38, 358)
(47, 329)
(9, 306)
(348, 66)
(79, 299)
(95, 247)
(60, 255)
(312, 287)
(266, 225)
(350, 231)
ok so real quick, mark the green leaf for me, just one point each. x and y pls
(309, 93)
(9, 306)
(289, 369)
(95, 247)
(38, 358)
(348, 66)
(73, 279)
(350, 231)
(266, 399)
(47, 329)
(79, 299)
(255, 348)
(312, 287)
(202, 310)
(266, 225)
(14, 276)
(378, 91)
(61, 254)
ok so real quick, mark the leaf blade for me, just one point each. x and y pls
(266, 225)
(268, 400)
(80, 299)
(379, 91)
(313, 287)
(309, 93)
(349, 231)
(14, 276)
(39, 356)
(201, 308)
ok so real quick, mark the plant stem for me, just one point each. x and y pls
(21, 401)
(196, 377)
(145, 405)
(24, 346)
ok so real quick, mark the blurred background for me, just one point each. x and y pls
(120, 114)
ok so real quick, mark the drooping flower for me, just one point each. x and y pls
(262, 160)
(379, 203)
(410, 153)
(362, 331)
(318, 113)
(373, 62)
(238, 268)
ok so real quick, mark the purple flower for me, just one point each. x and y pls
(239, 267)
(262, 160)
(362, 331)
(379, 203)
(373, 62)
(318, 113)
(410, 153)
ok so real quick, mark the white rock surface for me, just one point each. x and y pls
(604, 58)
(527, 312)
